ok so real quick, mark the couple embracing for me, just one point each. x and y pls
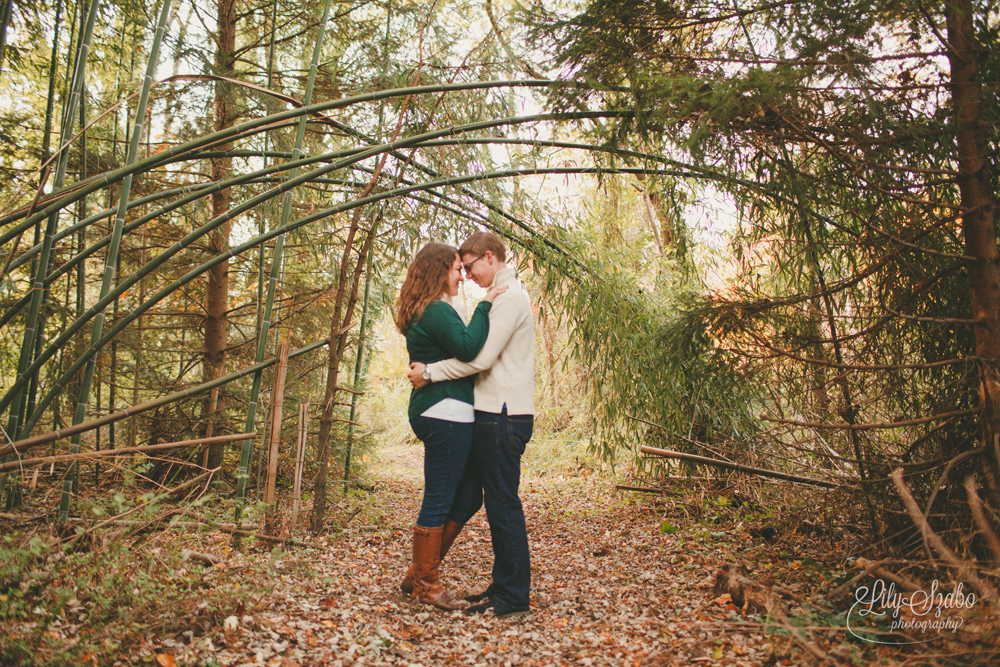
(472, 406)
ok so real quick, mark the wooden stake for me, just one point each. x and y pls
(277, 398)
(300, 456)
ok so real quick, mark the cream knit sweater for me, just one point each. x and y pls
(506, 364)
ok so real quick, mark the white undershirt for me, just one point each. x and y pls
(451, 410)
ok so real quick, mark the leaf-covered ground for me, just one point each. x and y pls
(617, 579)
(609, 588)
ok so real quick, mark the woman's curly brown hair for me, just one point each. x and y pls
(426, 280)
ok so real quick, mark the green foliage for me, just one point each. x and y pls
(102, 595)
(847, 302)
(657, 372)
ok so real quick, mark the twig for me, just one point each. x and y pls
(112, 520)
(871, 568)
(246, 533)
(961, 568)
(837, 592)
(199, 557)
(976, 506)
(19, 519)
(678, 435)
(874, 425)
(660, 492)
(905, 584)
(944, 475)
(125, 451)
(644, 489)
(740, 468)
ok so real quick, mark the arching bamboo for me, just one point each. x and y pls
(60, 199)
(106, 420)
(31, 322)
(254, 201)
(194, 192)
(313, 217)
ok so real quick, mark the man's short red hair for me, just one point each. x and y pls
(480, 242)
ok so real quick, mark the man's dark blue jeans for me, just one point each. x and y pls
(446, 451)
(494, 475)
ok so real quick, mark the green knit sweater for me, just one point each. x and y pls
(441, 334)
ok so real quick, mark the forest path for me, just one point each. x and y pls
(608, 588)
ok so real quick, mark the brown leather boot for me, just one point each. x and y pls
(426, 574)
(448, 534)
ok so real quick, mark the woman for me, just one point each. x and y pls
(441, 413)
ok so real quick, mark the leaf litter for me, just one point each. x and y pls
(609, 587)
(618, 579)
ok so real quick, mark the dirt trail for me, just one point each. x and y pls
(608, 588)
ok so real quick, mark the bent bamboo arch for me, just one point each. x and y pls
(20, 407)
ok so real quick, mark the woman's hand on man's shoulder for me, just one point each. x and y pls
(494, 292)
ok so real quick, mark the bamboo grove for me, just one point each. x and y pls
(271, 185)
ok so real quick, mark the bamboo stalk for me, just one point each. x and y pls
(124, 451)
(976, 507)
(6, 11)
(875, 425)
(31, 328)
(44, 438)
(358, 367)
(112, 259)
(277, 403)
(213, 404)
(666, 453)
(197, 192)
(963, 569)
(97, 217)
(254, 242)
(263, 124)
(288, 185)
(356, 154)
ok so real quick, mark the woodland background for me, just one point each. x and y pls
(762, 233)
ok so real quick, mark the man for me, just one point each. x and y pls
(505, 408)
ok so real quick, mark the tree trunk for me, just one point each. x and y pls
(347, 286)
(978, 210)
(217, 288)
(342, 314)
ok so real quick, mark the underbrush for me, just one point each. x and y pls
(102, 597)
(810, 574)
(139, 573)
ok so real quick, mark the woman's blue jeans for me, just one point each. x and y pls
(446, 450)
